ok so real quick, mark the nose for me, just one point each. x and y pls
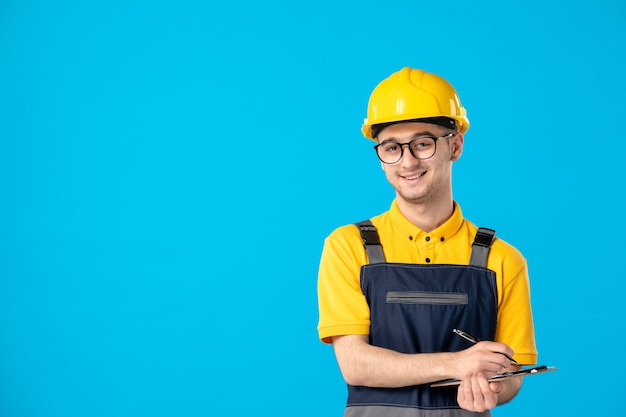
(407, 158)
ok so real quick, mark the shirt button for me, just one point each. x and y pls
(442, 239)
(427, 260)
(427, 238)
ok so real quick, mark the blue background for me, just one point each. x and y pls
(169, 170)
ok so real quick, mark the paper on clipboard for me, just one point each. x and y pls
(504, 375)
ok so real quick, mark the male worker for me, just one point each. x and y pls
(392, 290)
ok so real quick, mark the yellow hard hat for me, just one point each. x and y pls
(413, 94)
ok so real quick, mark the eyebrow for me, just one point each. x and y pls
(415, 136)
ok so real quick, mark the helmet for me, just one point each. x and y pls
(411, 94)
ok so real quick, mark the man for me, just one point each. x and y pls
(392, 291)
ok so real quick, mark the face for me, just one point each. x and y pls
(427, 180)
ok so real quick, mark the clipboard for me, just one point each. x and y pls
(504, 375)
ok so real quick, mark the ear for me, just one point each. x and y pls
(456, 147)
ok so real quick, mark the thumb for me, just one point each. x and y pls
(496, 387)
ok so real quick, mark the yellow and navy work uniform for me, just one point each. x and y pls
(410, 301)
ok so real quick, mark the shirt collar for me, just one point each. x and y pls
(442, 233)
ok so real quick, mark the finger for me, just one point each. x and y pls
(488, 397)
(464, 394)
(496, 387)
(505, 350)
(491, 356)
(477, 390)
(492, 368)
(497, 362)
(501, 348)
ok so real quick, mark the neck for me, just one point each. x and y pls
(427, 216)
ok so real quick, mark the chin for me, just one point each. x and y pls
(414, 198)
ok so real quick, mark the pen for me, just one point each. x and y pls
(474, 339)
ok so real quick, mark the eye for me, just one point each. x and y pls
(390, 147)
(422, 143)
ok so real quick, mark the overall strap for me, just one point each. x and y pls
(480, 247)
(371, 242)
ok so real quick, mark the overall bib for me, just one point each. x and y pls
(413, 309)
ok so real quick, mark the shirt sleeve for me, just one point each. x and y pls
(343, 308)
(515, 319)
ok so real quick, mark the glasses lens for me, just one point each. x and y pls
(389, 152)
(423, 148)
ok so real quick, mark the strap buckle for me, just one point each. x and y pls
(484, 237)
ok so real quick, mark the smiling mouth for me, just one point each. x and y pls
(413, 177)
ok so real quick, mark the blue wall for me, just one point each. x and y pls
(168, 171)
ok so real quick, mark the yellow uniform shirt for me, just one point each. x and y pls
(344, 310)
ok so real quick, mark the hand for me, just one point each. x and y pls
(477, 394)
(487, 358)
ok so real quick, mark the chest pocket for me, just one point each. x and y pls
(424, 297)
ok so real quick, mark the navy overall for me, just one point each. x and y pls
(413, 309)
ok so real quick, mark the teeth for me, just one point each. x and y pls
(415, 176)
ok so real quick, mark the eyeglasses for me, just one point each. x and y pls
(423, 147)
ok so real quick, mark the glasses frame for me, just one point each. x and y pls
(408, 144)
